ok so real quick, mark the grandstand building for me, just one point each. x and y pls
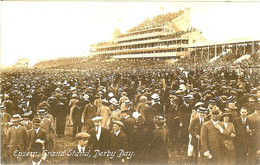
(165, 36)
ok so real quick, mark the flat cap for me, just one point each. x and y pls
(82, 135)
(97, 118)
(41, 111)
(119, 123)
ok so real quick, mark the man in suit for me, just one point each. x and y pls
(255, 135)
(99, 139)
(82, 153)
(118, 141)
(76, 118)
(241, 125)
(89, 112)
(37, 157)
(149, 113)
(172, 119)
(61, 119)
(159, 152)
(211, 139)
(5, 118)
(35, 133)
(26, 122)
(46, 125)
(194, 130)
(16, 138)
(185, 111)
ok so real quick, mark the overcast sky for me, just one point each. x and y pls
(44, 30)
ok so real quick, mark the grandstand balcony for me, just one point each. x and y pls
(151, 55)
(140, 36)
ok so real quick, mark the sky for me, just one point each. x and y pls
(45, 30)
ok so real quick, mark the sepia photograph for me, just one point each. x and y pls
(130, 82)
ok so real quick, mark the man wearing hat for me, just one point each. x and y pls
(254, 142)
(159, 152)
(211, 136)
(137, 97)
(80, 154)
(128, 122)
(172, 119)
(118, 141)
(141, 106)
(5, 118)
(123, 98)
(194, 130)
(35, 133)
(26, 122)
(185, 111)
(74, 100)
(157, 105)
(16, 138)
(37, 157)
(149, 114)
(104, 113)
(242, 128)
(46, 125)
(76, 118)
(98, 102)
(62, 111)
(89, 112)
(231, 109)
(99, 139)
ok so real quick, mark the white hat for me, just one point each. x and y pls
(74, 95)
(97, 118)
(113, 100)
(86, 96)
(199, 104)
(155, 96)
(136, 115)
(110, 94)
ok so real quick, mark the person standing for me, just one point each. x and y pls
(99, 139)
(35, 133)
(76, 119)
(5, 118)
(47, 125)
(118, 142)
(228, 140)
(241, 125)
(16, 138)
(89, 112)
(211, 136)
(61, 119)
(159, 152)
(254, 143)
(82, 149)
(26, 122)
(194, 130)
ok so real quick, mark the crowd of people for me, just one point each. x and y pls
(141, 107)
(157, 21)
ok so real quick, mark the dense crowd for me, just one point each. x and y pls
(157, 21)
(143, 107)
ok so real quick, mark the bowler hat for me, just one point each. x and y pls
(16, 117)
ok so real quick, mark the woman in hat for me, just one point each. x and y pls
(228, 140)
